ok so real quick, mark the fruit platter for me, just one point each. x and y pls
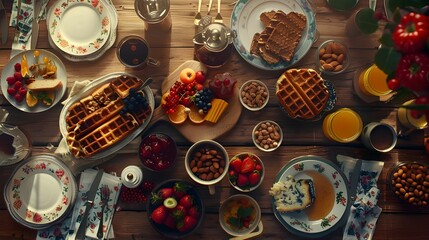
(197, 107)
(34, 80)
(106, 115)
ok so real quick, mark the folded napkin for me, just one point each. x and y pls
(364, 212)
(67, 229)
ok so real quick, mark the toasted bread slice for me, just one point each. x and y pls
(44, 85)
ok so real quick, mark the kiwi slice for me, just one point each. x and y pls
(170, 203)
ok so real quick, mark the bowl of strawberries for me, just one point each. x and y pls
(175, 208)
(246, 171)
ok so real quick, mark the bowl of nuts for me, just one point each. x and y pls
(267, 135)
(246, 171)
(254, 95)
(206, 162)
(410, 182)
(332, 57)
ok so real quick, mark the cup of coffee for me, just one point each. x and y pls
(380, 137)
(133, 52)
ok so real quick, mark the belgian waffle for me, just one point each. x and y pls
(90, 104)
(108, 133)
(104, 95)
(302, 93)
(76, 112)
(122, 85)
(94, 119)
(74, 145)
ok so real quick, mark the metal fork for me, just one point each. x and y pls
(105, 195)
(198, 16)
(218, 17)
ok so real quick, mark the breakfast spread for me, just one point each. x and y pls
(292, 195)
(106, 116)
(302, 93)
(280, 37)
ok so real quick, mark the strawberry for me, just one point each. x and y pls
(17, 76)
(17, 67)
(254, 178)
(187, 201)
(258, 167)
(11, 91)
(248, 165)
(165, 193)
(179, 189)
(194, 212)
(170, 222)
(179, 212)
(236, 164)
(17, 85)
(11, 80)
(18, 97)
(242, 180)
(189, 223)
(232, 174)
(22, 91)
(159, 214)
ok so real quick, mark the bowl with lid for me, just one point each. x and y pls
(254, 95)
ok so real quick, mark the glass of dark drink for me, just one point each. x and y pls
(133, 52)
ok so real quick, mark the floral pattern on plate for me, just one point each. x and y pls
(41, 191)
(245, 23)
(79, 27)
(298, 222)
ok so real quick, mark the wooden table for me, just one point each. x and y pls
(397, 221)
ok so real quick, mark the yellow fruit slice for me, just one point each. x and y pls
(164, 96)
(31, 99)
(195, 116)
(24, 67)
(179, 115)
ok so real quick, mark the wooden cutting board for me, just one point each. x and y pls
(206, 130)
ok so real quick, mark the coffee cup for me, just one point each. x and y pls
(133, 52)
(207, 162)
(380, 137)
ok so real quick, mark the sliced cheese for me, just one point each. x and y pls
(216, 111)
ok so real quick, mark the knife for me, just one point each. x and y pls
(354, 179)
(3, 24)
(80, 235)
(35, 26)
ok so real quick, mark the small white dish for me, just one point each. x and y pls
(245, 95)
(258, 141)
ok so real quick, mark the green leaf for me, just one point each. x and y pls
(365, 21)
(390, 26)
(386, 40)
(235, 222)
(387, 58)
(244, 212)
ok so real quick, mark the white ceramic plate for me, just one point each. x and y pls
(86, 91)
(79, 28)
(41, 191)
(245, 23)
(113, 15)
(9, 70)
(298, 222)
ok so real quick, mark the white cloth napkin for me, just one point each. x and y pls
(364, 212)
(66, 229)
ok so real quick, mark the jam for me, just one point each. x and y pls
(6, 142)
(157, 152)
(223, 85)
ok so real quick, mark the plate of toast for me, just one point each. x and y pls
(106, 115)
(34, 80)
(273, 35)
(319, 199)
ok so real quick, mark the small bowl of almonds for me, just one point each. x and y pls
(254, 95)
(332, 57)
(410, 182)
(267, 135)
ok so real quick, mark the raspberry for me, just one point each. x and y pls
(18, 76)
(17, 85)
(11, 91)
(137, 195)
(148, 186)
(22, 91)
(11, 80)
(18, 97)
(17, 67)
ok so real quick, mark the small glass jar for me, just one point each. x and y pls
(217, 47)
(373, 82)
(344, 125)
(405, 118)
(155, 14)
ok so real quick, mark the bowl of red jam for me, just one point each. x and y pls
(158, 152)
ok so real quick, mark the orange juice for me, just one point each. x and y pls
(344, 125)
(405, 118)
(373, 82)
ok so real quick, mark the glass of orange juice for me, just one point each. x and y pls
(373, 82)
(405, 118)
(343, 125)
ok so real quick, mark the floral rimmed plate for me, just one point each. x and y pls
(320, 171)
(245, 23)
(79, 27)
(40, 192)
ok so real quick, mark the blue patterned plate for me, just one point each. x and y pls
(245, 23)
(330, 185)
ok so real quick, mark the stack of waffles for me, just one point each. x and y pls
(98, 121)
(280, 37)
(302, 93)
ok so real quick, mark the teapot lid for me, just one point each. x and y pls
(216, 37)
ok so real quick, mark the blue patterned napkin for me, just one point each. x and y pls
(364, 212)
